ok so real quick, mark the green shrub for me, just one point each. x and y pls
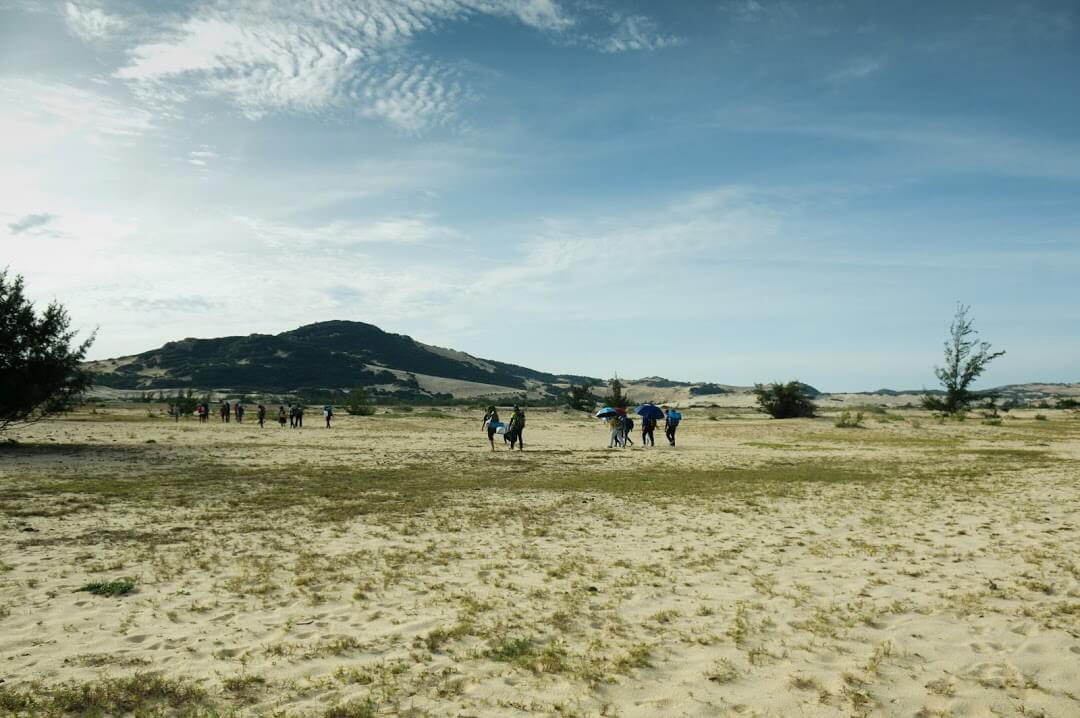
(784, 401)
(109, 588)
(847, 420)
(358, 403)
(1040, 417)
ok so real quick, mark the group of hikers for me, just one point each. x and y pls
(511, 431)
(621, 425)
(294, 415)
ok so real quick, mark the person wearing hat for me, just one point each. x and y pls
(517, 428)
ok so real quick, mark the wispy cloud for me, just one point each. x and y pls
(313, 58)
(30, 222)
(90, 22)
(338, 55)
(859, 69)
(394, 230)
(35, 115)
(636, 32)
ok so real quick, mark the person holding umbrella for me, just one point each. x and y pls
(614, 422)
(649, 415)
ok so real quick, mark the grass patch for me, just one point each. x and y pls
(139, 694)
(108, 588)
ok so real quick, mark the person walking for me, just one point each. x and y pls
(226, 411)
(517, 428)
(240, 410)
(671, 423)
(282, 415)
(648, 426)
(299, 416)
(614, 425)
(260, 414)
(492, 424)
(328, 414)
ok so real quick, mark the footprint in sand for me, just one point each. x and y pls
(137, 639)
(223, 617)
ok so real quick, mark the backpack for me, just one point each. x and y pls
(629, 425)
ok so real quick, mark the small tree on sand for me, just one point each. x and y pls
(784, 401)
(616, 398)
(580, 398)
(40, 372)
(358, 403)
(965, 359)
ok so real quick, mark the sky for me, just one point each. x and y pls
(732, 191)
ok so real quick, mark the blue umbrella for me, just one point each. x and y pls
(649, 411)
(606, 412)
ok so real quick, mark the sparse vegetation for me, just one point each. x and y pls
(784, 401)
(966, 359)
(109, 588)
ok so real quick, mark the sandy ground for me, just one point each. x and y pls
(761, 568)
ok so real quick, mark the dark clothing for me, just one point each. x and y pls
(648, 426)
(281, 416)
(261, 415)
(516, 429)
(669, 430)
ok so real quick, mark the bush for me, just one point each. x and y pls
(1067, 403)
(847, 420)
(784, 401)
(580, 397)
(616, 398)
(1040, 417)
(358, 403)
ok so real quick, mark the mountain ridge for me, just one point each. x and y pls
(338, 355)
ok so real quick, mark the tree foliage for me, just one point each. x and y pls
(784, 401)
(616, 398)
(358, 403)
(40, 372)
(965, 359)
(579, 397)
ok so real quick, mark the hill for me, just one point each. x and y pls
(326, 356)
(339, 355)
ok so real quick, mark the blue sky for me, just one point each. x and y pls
(733, 191)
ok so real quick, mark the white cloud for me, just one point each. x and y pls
(90, 22)
(636, 32)
(312, 58)
(394, 230)
(37, 115)
(299, 57)
(857, 70)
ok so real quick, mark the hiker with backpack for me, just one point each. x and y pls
(648, 426)
(516, 429)
(225, 411)
(328, 414)
(260, 414)
(671, 423)
(282, 415)
(492, 424)
(626, 425)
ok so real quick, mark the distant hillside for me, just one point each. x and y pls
(324, 356)
(339, 355)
